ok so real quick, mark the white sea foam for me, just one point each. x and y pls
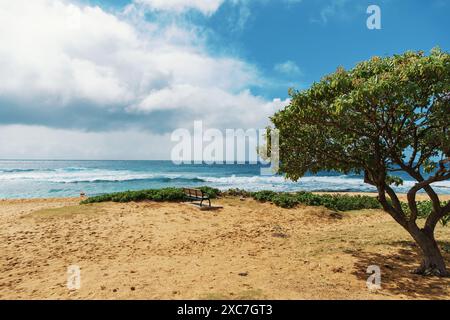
(72, 175)
(342, 182)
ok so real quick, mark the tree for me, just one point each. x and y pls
(385, 115)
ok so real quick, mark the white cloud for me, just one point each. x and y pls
(221, 107)
(207, 7)
(26, 142)
(66, 65)
(54, 53)
(288, 68)
(101, 59)
(335, 8)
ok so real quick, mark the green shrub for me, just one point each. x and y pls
(310, 199)
(285, 200)
(160, 195)
(264, 195)
(238, 193)
(348, 203)
(424, 209)
(167, 194)
(211, 192)
(333, 202)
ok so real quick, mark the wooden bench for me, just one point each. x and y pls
(196, 195)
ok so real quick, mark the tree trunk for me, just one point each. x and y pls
(432, 261)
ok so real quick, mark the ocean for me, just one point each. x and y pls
(53, 178)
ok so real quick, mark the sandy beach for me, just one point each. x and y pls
(247, 250)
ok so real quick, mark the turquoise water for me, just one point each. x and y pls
(41, 179)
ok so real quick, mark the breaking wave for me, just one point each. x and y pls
(43, 181)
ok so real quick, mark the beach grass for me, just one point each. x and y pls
(287, 200)
(159, 195)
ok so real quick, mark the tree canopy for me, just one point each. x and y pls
(386, 115)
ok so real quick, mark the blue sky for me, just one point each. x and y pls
(100, 74)
(317, 35)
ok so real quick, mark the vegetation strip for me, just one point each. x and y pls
(335, 202)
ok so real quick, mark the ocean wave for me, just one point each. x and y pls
(280, 183)
(245, 179)
(348, 179)
(282, 180)
(81, 175)
(128, 179)
(343, 183)
(23, 170)
(74, 169)
(68, 169)
(67, 175)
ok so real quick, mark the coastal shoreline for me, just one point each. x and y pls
(402, 196)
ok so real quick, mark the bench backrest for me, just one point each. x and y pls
(193, 192)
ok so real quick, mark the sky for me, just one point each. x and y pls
(104, 79)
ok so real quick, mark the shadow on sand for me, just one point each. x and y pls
(396, 276)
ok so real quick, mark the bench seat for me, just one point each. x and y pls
(196, 195)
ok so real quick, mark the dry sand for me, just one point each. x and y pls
(247, 250)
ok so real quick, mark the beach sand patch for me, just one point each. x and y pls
(68, 211)
(246, 250)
